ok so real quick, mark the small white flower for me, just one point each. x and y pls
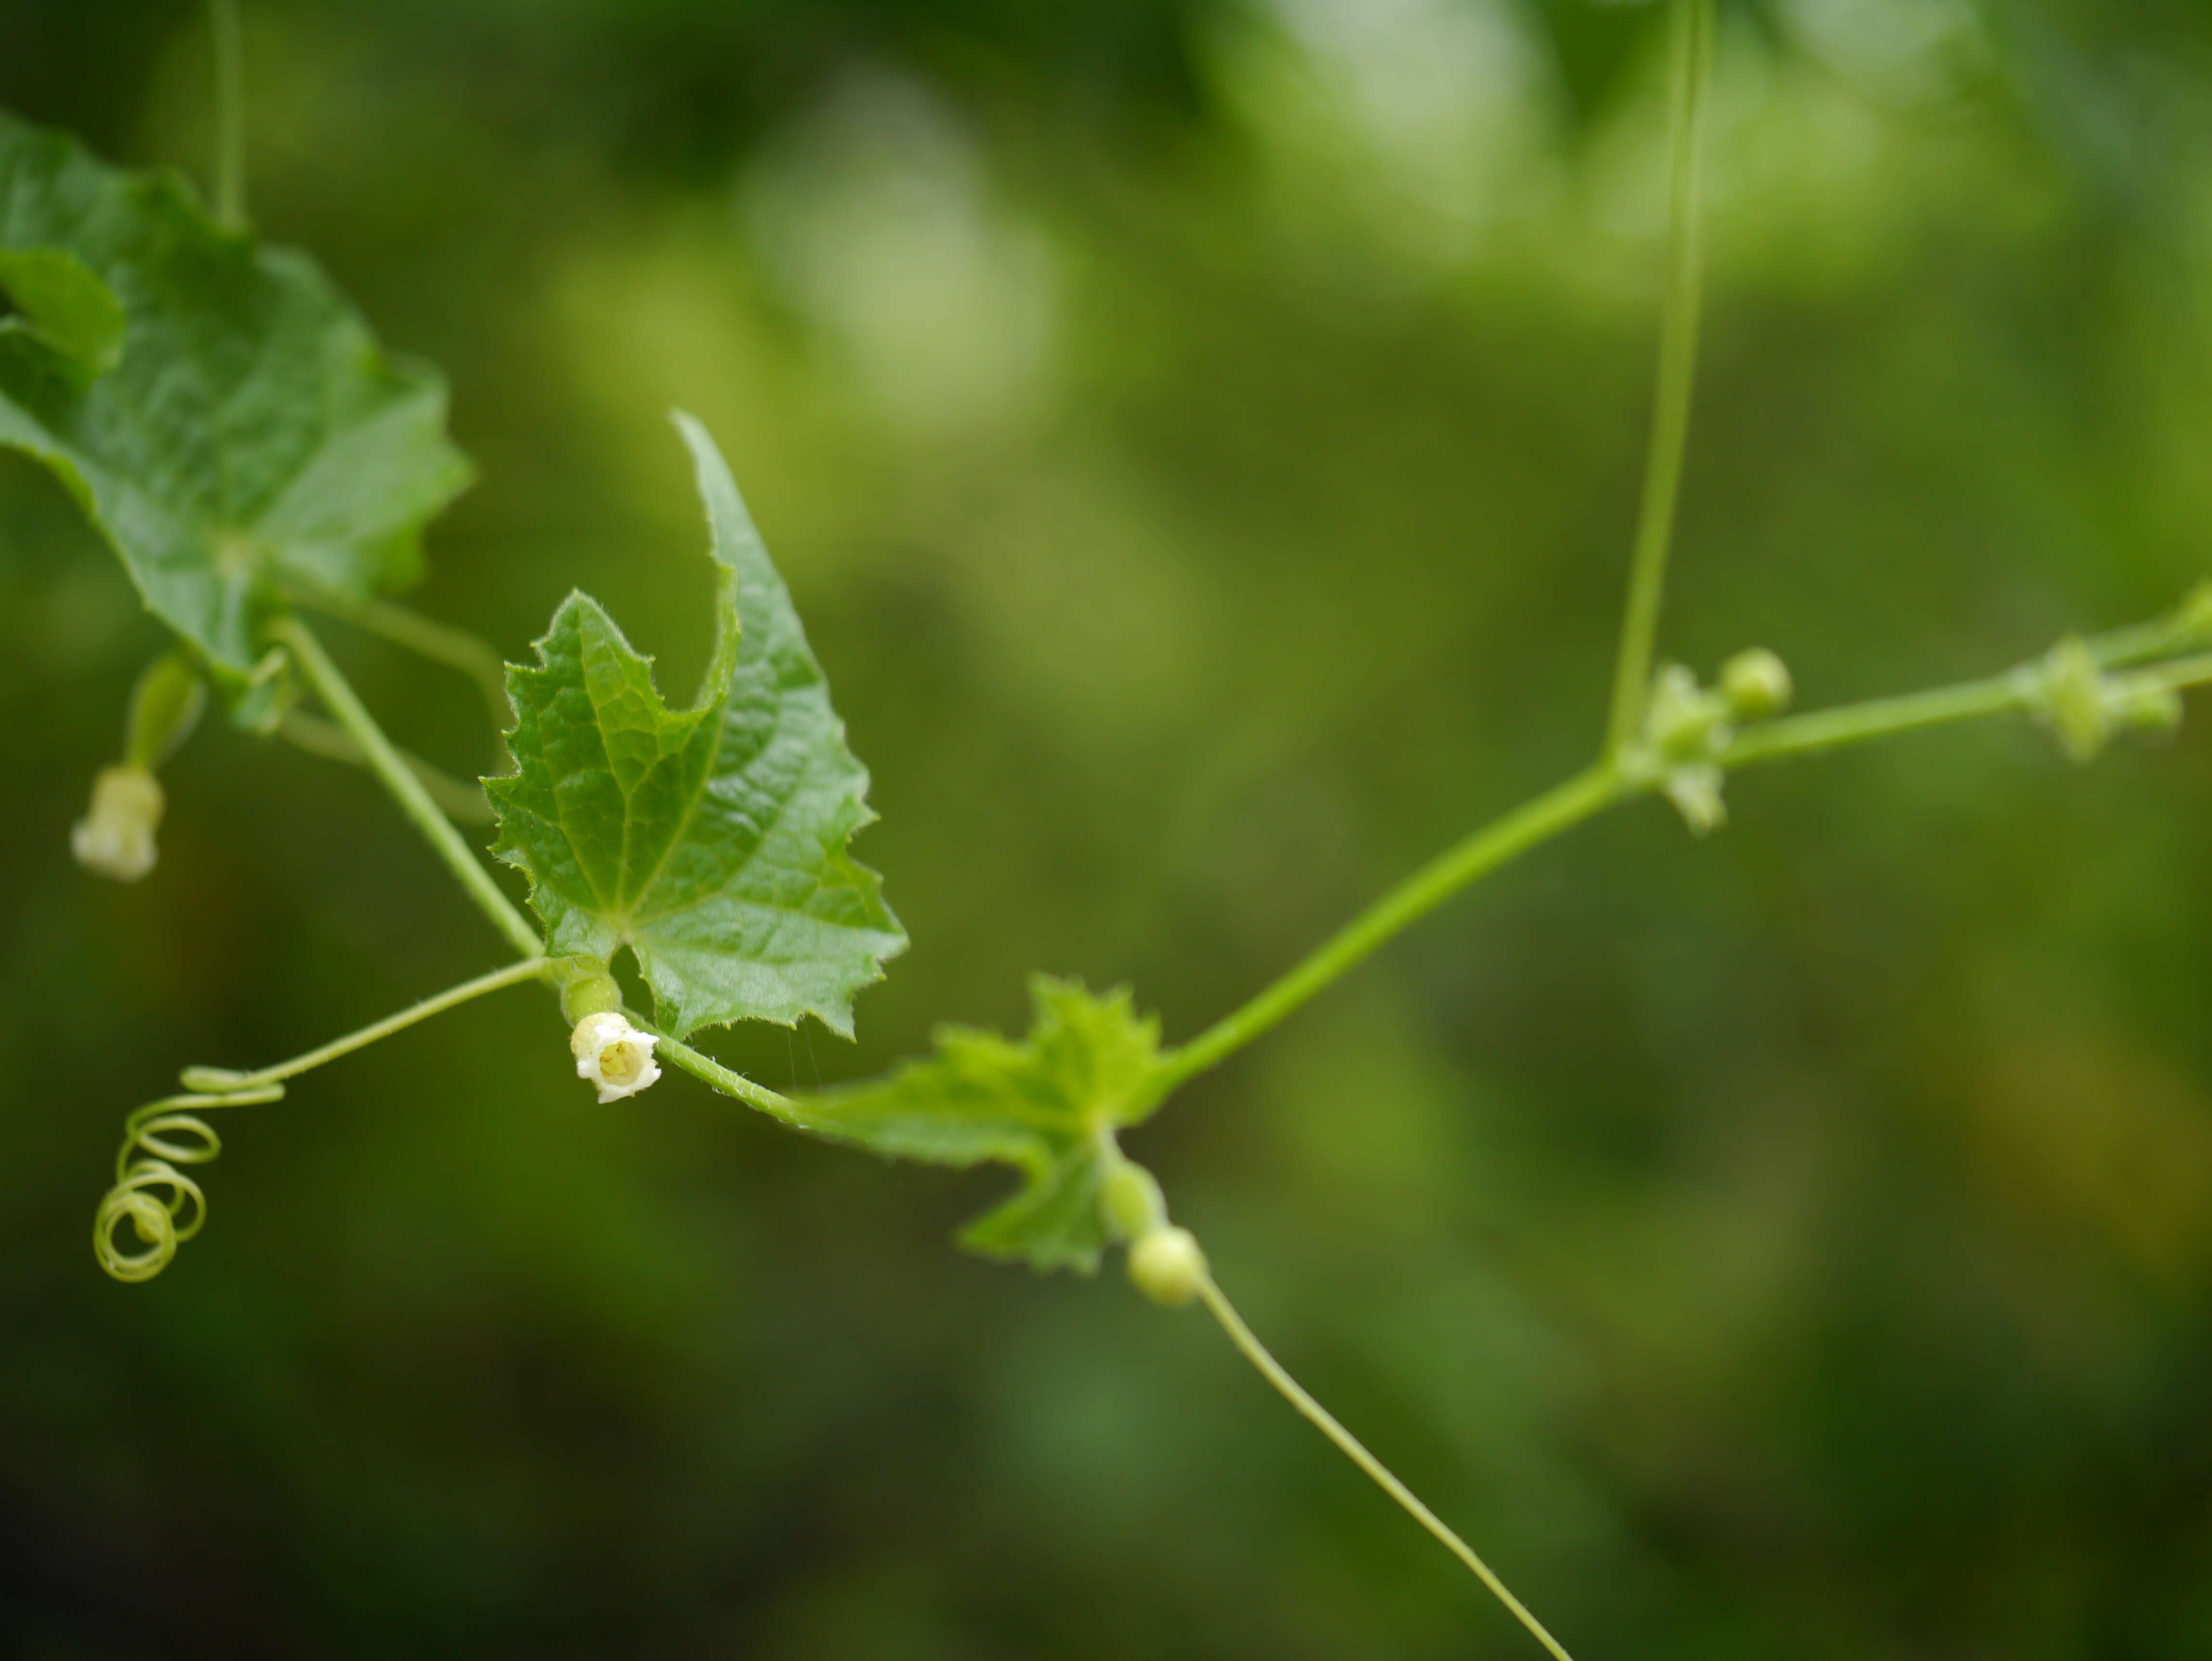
(613, 1054)
(116, 837)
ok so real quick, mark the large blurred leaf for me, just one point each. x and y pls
(224, 418)
(1048, 1106)
(711, 840)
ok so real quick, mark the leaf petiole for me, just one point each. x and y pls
(338, 697)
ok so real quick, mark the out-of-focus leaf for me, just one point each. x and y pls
(220, 412)
(1048, 1106)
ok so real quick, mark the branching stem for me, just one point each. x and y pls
(337, 696)
(1354, 1449)
(1678, 355)
(1567, 805)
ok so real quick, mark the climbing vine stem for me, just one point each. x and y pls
(1586, 793)
(1354, 1449)
(1678, 354)
(228, 50)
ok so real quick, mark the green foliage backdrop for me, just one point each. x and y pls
(1202, 441)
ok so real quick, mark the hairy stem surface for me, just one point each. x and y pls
(715, 1075)
(1677, 356)
(1354, 1449)
(337, 696)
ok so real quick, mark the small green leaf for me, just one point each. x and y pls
(221, 415)
(710, 841)
(63, 305)
(1048, 1105)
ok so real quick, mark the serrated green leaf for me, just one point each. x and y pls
(710, 841)
(1048, 1106)
(231, 426)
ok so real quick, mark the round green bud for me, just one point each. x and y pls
(1131, 1201)
(590, 993)
(1681, 716)
(1756, 685)
(1167, 1266)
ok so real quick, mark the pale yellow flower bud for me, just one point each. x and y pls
(116, 837)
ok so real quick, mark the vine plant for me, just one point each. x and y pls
(229, 424)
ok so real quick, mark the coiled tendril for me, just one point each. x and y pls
(163, 1206)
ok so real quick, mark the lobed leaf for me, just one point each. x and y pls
(220, 412)
(1048, 1105)
(710, 841)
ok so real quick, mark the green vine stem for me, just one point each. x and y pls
(1354, 1449)
(337, 696)
(715, 1076)
(2017, 689)
(439, 642)
(1525, 827)
(457, 800)
(228, 48)
(1579, 798)
(1692, 52)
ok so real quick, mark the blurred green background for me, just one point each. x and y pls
(1202, 436)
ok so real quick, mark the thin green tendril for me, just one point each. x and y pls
(163, 1206)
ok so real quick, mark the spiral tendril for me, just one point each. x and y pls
(163, 1206)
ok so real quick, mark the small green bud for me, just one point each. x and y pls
(1131, 1201)
(164, 707)
(1167, 1266)
(2073, 699)
(1756, 685)
(1682, 720)
(592, 993)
